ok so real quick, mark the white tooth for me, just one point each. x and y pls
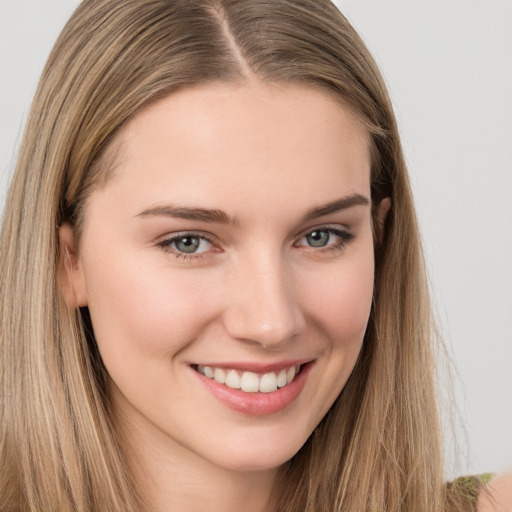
(208, 372)
(233, 379)
(290, 374)
(219, 376)
(200, 368)
(250, 382)
(281, 379)
(268, 383)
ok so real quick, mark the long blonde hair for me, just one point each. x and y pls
(378, 448)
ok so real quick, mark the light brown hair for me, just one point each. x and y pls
(378, 448)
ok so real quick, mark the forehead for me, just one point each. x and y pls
(231, 140)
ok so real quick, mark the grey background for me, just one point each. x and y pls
(448, 65)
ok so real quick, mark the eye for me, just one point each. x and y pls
(325, 238)
(319, 238)
(185, 245)
(189, 244)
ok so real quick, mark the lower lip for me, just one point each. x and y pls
(257, 404)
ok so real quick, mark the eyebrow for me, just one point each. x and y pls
(197, 214)
(336, 206)
(214, 216)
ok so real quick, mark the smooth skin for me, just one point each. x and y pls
(267, 278)
(498, 497)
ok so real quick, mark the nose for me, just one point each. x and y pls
(262, 305)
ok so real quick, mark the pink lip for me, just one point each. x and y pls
(257, 404)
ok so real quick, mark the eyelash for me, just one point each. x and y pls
(345, 237)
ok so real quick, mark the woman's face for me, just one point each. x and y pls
(232, 248)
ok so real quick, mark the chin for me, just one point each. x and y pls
(253, 455)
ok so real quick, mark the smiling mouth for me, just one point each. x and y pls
(250, 382)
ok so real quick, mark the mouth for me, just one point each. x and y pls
(251, 382)
(255, 391)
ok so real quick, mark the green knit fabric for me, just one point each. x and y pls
(467, 488)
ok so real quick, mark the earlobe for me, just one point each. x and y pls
(70, 274)
(381, 215)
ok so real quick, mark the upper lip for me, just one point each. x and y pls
(256, 367)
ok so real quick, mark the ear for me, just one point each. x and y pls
(381, 214)
(70, 273)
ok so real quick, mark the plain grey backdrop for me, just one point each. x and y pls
(448, 66)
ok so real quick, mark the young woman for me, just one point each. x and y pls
(213, 294)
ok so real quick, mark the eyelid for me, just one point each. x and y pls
(325, 227)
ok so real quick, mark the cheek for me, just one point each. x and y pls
(140, 312)
(341, 301)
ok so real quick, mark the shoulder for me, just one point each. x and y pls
(497, 495)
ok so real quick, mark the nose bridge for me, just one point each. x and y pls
(262, 305)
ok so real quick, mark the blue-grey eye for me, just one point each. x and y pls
(187, 244)
(325, 237)
(318, 238)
